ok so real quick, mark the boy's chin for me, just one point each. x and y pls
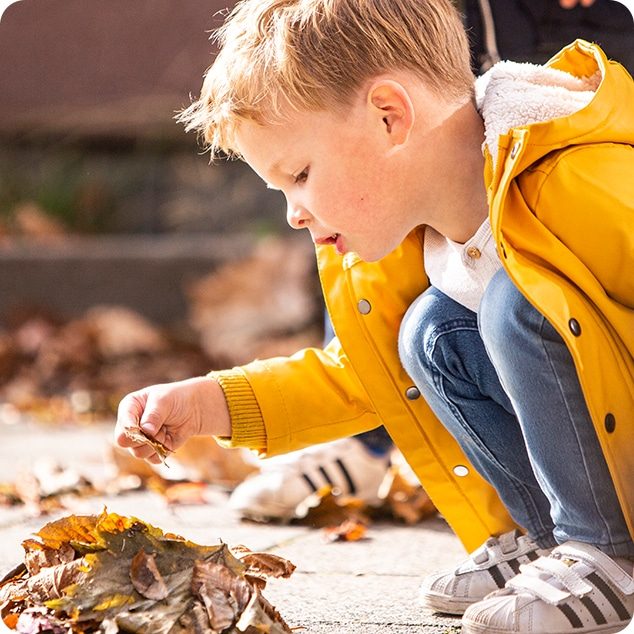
(373, 255)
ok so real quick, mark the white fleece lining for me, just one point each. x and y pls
(515, 94)
(511, 94)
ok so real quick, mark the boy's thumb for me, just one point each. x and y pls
(150, 424)
(151, 419)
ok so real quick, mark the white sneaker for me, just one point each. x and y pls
(577, 589)
(284, 482)
(487, 569)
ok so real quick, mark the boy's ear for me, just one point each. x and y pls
(392, 104)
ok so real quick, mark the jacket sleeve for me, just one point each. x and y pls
(288, 403)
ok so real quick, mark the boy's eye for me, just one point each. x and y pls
(302, 176)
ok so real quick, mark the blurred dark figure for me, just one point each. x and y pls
(534, 30)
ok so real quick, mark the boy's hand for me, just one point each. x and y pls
(172, 412)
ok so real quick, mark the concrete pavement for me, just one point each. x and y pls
(363, 587)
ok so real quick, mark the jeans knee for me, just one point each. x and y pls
(423, 349)
(411, 345)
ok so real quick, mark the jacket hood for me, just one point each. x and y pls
(579, 96)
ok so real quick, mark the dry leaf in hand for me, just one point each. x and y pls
(136, 434)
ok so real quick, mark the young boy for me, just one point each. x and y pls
(489, 323)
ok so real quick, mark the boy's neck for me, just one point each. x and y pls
(455, 201)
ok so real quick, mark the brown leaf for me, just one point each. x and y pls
(74, 528)
(407, 501)
(195, 620)
(347, 531)
(146, 578)
(261, 616)
(264, 564)
(136, 434)
(324, 508)
(9, 612)
(223, 594)
(9, 495)
(50, 583)
(180, 492)
(38, 556)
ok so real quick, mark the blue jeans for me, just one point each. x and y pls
(504, 384)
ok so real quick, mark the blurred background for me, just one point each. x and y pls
(125, 257)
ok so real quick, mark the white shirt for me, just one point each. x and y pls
(461, 271)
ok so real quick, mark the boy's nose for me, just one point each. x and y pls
(296, 216)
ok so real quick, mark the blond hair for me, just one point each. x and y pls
(315, 54)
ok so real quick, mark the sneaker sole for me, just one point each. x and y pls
(475, 628)
(445, 605)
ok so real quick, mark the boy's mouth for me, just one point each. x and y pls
(328, 239)
(336, 240)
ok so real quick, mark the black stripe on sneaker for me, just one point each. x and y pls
(498, 577)
(352, 489)
(327, 478)
(313, 487)
(532, 555)
(515, 565)
(610, 595)
(593, 608)
(571, 615)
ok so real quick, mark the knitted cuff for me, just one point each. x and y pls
(247, 424)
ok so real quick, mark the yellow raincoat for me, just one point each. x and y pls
(562, 213)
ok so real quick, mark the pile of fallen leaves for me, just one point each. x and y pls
(112, 574)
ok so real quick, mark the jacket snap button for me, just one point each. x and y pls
(461, 471)
(575, 327)
(364, 306)
(514, 150)
(412, 393)
(610, 423)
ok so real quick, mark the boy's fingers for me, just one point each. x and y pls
(128, 415)
(130, 410)
(144, 452)
(153, 418)
(122, 440)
